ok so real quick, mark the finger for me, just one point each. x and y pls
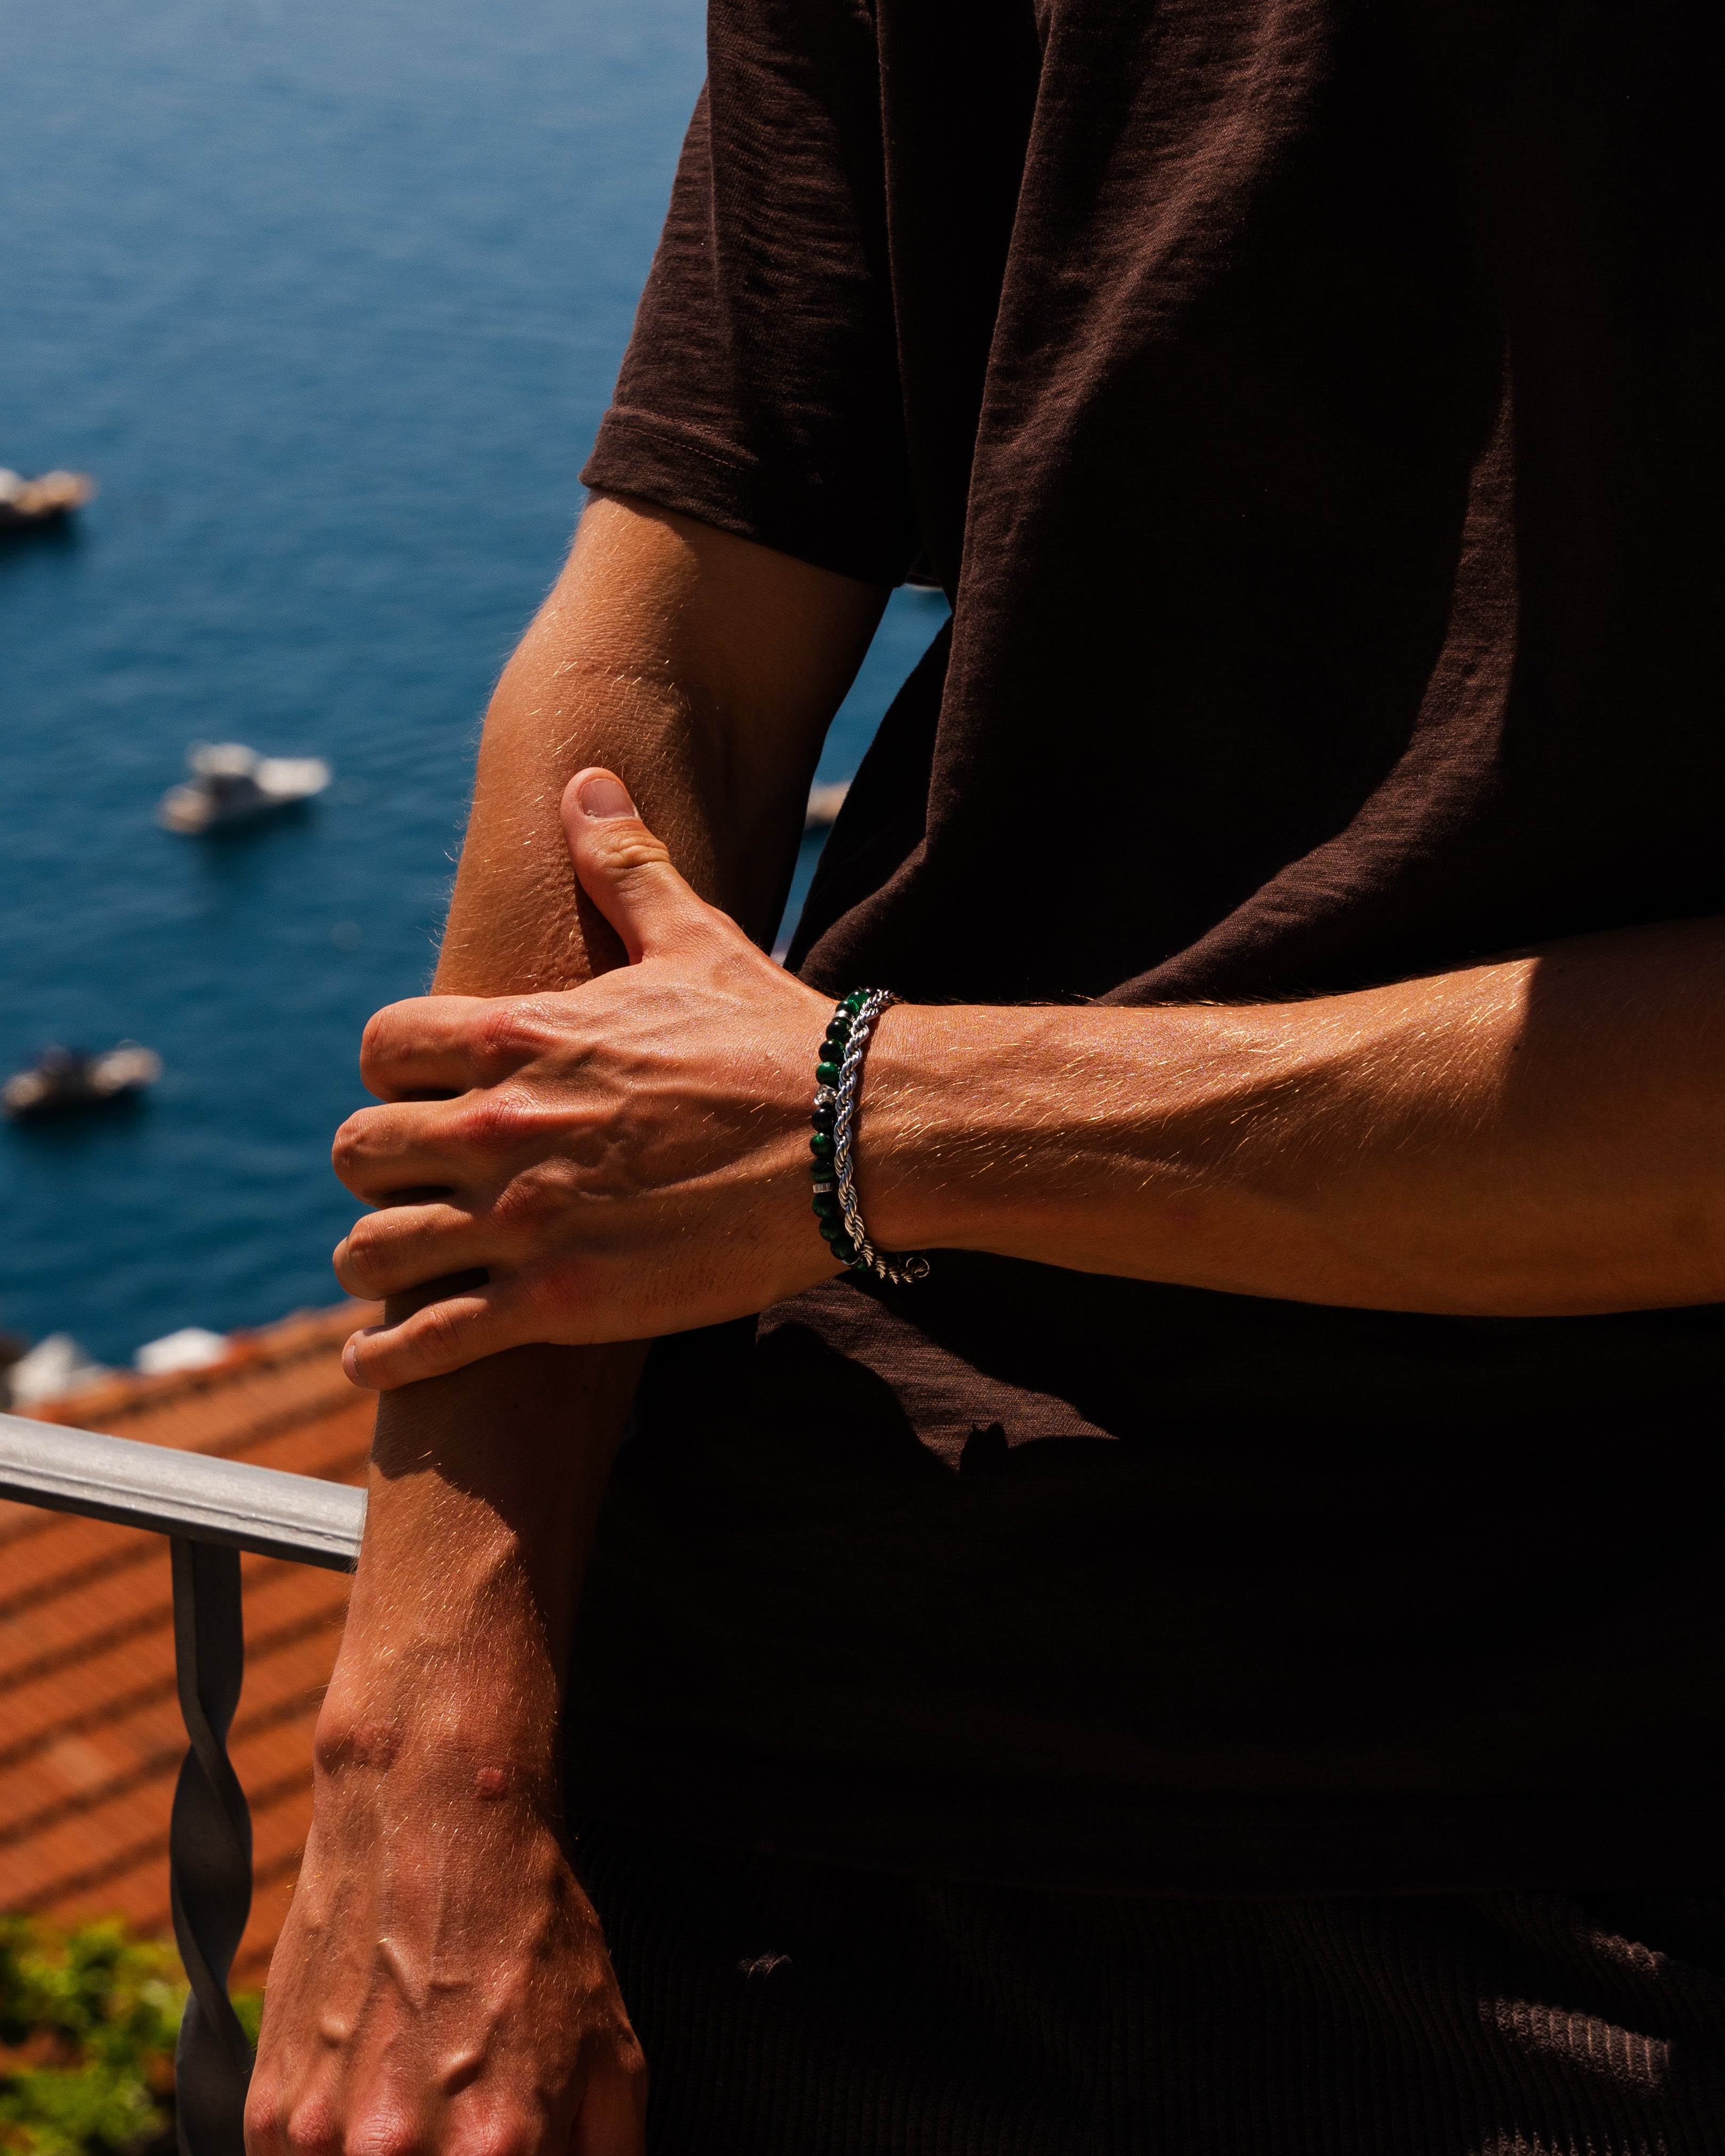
(384, 1154)
(461, 1327)
(624, 869)
(442, 1044)
(262, 2122)
(391, 1253)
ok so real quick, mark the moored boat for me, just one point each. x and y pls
(233, 785)
(825, 802)
(44, 499)
(63, 1079)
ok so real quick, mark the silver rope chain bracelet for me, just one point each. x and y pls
(837, 1087)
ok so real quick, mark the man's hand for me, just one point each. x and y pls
(620, 1159)
(441, 1983)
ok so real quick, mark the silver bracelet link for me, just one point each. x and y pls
(837, 1098)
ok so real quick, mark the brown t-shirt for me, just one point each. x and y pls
(1316, 410)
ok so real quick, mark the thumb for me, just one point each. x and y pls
(624, 869)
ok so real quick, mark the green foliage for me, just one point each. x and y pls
(88, 2020)
(249, 2006)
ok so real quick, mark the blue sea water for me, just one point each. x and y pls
(330, 295)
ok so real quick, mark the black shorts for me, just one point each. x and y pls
(798, 2009)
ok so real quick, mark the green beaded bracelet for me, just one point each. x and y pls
(838, 1081)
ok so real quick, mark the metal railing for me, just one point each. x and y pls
(211, 1509)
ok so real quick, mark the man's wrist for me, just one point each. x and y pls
(482, 1496)
(930, 1112)
(453, 1720)
(448, 1758)
(985, 1127)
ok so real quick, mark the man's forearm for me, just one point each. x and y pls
(441, 1981)
(485, 1485)
(704, 669)
(1542, 1135)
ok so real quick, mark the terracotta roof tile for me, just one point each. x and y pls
(90, 1735)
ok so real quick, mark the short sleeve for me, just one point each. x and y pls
(760, 392)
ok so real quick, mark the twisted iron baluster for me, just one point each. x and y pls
(209, 1850)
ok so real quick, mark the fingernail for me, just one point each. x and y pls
(604, 796)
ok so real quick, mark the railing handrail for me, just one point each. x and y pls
(196, 1495)
(197, 1498)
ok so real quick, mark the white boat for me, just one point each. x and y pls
(68, 1078)
(48, 1371)
(45, 500)
(825, 802)
(233, 785)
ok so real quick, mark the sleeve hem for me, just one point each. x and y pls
(714, 484)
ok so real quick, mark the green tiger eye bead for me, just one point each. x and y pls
(844, 1250)
(826, 1074)
(821, 1145)
(827, 1206)
(854, 1001)
(824, 1118)
(831, 1228)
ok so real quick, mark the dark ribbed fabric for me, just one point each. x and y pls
(800, 2009)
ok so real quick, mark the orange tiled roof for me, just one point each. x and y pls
(90, 1734)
